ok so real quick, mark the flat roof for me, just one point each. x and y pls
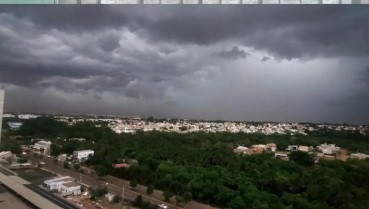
(71, 184)
(26, 193)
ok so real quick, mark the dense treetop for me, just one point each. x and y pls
(203, 166)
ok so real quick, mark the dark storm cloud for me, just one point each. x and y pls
(234, 53)
(283, 31)
(265, 58)
(109, 43)
(175, 59)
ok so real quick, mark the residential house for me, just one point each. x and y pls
(360, 156)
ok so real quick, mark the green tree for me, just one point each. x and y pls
(10, 145)
(76, 166)
(116, 199)
(187, 196)
(167, 195)
(133, 183)
(150, 189)
(301, 158)
(55, 150)
(101, 170)
(179, 199)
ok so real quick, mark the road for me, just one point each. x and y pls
(5, 172)
(111, 183)
(48, 195)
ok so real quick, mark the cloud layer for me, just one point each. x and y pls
(238, 63)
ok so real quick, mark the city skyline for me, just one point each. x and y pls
(266, 63)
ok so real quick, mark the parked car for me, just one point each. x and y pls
(163, 206)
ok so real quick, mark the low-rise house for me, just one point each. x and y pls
(5, 154)
(55, 183)
(62, 157)
(303, 148)
(271, 147)
(70, 188)
(83, 155)
(281, 155)
(243, 150)
(65, 185)
(77, 139)
(42, 145)
(6, 157)
(121, 165)
(360, 156)
(328, 149)
(258, 148)
(292, 148)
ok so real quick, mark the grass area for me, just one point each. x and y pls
(34, 175)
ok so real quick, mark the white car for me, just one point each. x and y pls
(163, 206)
(42, 163)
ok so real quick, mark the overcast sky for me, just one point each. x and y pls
(252, 63)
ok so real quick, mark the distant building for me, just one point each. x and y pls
(77, 139)
(65, 185)
(70, 188)
(27, 116)
(258, 148)
(292, 148)
(121, 165)
(1, 109)
(328, 149)
(83, 154)
(8, 116)
(14, 125)
(303, 148)
(271, 147)
(243, 150)
(42, 145)
(360, 156)
(62, 157)
(6, 157)
(281, 155)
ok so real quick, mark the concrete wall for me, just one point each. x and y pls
(1, 109)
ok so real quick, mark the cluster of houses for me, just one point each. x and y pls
(65, 185)
(255, 149)
(322, 151)
(133, 124)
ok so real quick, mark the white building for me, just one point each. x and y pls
(8, 116)
(27, 116)
(303, 148)
(243, 150)
(14, 125)
(45, 145)
(5, 156)
(292, 148)
(70, 188)
(360, 156)
(328, 149)
(82, 154)
(65, 185)
(271, 146)
(281, 155)
(55, 183)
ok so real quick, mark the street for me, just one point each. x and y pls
(111, 183)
